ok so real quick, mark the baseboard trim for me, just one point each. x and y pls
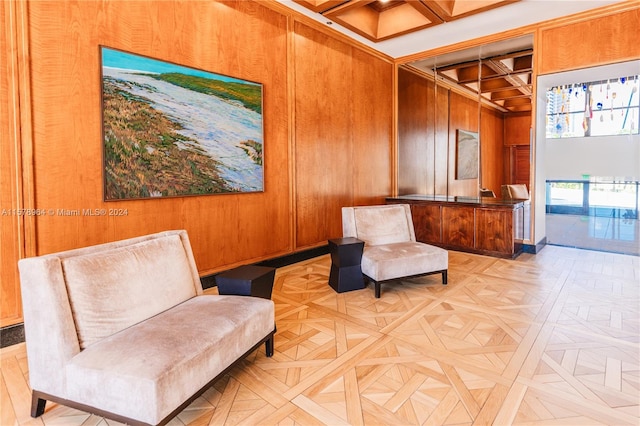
(534, 248)
(11, 335)
(209, 281)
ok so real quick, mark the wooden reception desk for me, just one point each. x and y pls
(489, 226)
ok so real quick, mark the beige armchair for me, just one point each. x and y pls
(515, 192)
(391, 250)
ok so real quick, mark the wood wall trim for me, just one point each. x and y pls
(291, 131)
(394, 135)
(18, 231)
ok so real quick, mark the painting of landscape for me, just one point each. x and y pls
(171, 130)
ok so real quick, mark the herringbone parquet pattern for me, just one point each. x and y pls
(551, 338)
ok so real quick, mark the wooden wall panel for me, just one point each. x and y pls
(599, 41)
(241, 39)
(442, 149)
(463, 115)
(517, 129)
(492, 150)
(372, 100)
(428, 117)
(342, 134)
(323, 139)
(416, 133)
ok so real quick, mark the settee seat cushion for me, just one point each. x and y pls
(397, 260)
(147, 370)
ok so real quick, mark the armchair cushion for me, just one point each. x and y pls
(515, 192)
(382, 226)
(405, 259)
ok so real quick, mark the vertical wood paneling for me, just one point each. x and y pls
(598, 41)
(241, 39)
(9, 226)
(463, 115)
(323, 137)
(416, 134)
(491, 150)
(371, 128)
(442, 142)
(428, 117)
(342, 133)
(517, 129)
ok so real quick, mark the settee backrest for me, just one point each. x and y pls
(74, 298)
(377, 225)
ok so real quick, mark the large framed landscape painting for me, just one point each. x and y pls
(171, 130)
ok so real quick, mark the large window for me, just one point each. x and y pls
(597, 108)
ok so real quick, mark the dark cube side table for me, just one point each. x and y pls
(247, 280)
(346, 272)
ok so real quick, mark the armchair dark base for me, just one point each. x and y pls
(378, 283)
(39, 399)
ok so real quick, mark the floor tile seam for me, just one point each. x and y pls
(450, 357)
(345, 319)
(465, 397)
(336, 367)
(9, 402)
(282, 316)
(622, 294)
(587, 407)
(425, 307)
(538, 332)
(588, 390)
(571, 380)
(533, 282)
(590, 306)
(490, 312)
(608, 340)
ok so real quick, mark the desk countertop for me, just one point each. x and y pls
(459, 200)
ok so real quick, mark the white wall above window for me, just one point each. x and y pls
(571, 158)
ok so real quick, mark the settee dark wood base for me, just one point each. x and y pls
(377, 284)
(39, 399)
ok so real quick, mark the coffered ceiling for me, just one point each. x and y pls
(379, 20)
(500, 72)
(415, 26)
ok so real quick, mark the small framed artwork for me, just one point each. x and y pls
(467, 152)
(171, 130)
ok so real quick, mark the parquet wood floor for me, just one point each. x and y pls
(546, 339)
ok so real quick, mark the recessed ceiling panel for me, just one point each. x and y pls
(449, 10)
(378, 20)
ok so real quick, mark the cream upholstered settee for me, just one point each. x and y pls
(123, 329)
(390, 247)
